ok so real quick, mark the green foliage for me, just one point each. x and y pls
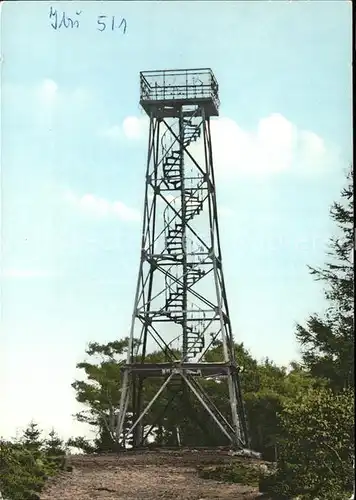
(27, 463)
(54, 452)
(82, 444)
(328, 343)
(31, 439)
(317, 427)
(236, 472)
(316, 445)
(100, 393)
(274, 386)
(265, 387)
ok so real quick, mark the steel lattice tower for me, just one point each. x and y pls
(180, 294)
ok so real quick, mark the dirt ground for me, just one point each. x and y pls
(145, 476)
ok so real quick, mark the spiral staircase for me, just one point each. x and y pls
(192, 201)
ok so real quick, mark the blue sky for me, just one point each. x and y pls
(73, 162)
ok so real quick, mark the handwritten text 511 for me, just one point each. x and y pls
(103, 22)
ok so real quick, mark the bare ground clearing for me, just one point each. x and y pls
(146, 476)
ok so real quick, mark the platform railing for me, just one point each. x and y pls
(178, 85)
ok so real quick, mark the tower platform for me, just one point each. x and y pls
(164, 92)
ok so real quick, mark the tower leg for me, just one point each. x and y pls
(234, 412)
(138, 431)
(124, 402)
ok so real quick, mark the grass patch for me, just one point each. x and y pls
(241, 473)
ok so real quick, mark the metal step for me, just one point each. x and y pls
(175, 232)
(173, 154)
(174, 242)
(171, 161)
(173, 236)
(195, 274)
(174, 304)
(191, 135)
(171, 170)
(175, 250)
(172, 301)
(193, 204)
(198, 343)
(193, 209)
(174, 239)
(171, 174)
(189, 214)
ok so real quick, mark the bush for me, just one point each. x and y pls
(315, 454)
(26, 464)
(237, 472)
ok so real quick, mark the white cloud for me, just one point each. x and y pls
(276, 145)
(48, 105)
(46, 102)
(124, 212)
(27, 273)
(49, 93)
(48, 90)
(133, 128)
(313, 152)
(100, 207)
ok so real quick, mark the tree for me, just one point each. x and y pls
(54, 451)
(275, 387)
(82, 444)
(328, 343)
(316, 445)
(31, 439)
(317, 427)
(53, 445)
(26, 463)
(21, 476)
(100, 393)
(264, 386)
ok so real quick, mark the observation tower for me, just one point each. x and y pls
(180, 306)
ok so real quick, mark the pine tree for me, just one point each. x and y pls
(53, 445)
(328, 342)
(31, 439)
(54, 451)
(101, 394)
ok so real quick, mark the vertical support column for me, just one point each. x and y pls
(151, 178)
(132, 387)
